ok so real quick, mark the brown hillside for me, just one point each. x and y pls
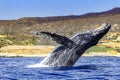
(19, 31)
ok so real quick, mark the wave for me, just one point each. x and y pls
(38, 65)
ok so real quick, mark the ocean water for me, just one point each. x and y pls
(86, 68)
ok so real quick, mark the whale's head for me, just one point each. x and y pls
(97, 34)
(91, 38)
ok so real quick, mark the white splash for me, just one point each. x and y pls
(38, 65)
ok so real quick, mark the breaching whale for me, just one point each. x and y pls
(71, 49)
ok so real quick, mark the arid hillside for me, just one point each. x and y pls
(20, 31)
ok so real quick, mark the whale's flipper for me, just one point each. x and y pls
(58, 38)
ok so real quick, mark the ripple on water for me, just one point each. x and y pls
(87, 68)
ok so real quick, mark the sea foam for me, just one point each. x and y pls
(37, 65)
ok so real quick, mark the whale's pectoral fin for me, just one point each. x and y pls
(58, 38)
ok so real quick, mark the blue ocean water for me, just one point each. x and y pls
(86, 68)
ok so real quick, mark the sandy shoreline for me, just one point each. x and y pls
(44, 55)
(43, 51)
(26, 51)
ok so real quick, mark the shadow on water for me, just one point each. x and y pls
(64, 71)
(91, 67)
(55, 74)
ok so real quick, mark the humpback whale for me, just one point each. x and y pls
(71, 49)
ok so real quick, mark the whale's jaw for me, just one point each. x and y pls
(94, 36)
(68, 53)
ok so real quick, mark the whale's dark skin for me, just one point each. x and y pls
(71, 49)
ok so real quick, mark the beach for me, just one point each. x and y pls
(44, 50)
